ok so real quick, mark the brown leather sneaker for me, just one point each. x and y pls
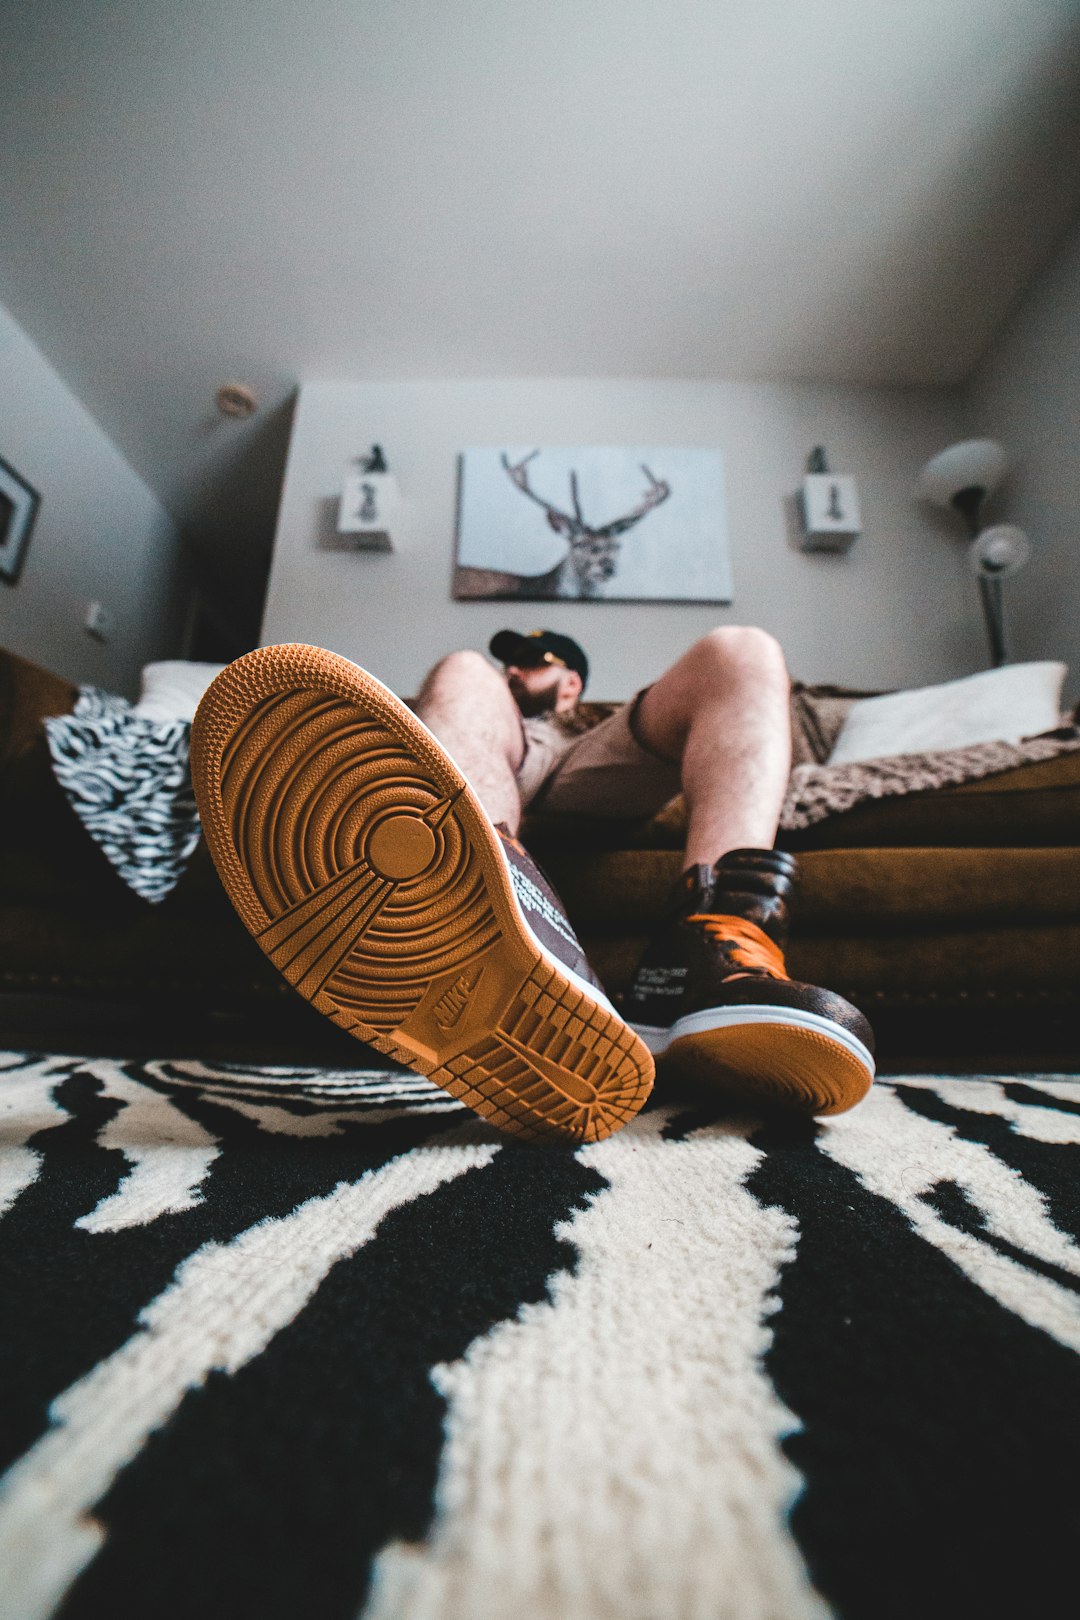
(367, 870)
(713, 996)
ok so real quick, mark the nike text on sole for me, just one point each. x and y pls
(359, 859)
(778, 1056)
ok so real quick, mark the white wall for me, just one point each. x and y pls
(899, 609)
(1027, 393)
(100, 534)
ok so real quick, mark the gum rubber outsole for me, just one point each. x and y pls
(359, 859)
(774, 1065)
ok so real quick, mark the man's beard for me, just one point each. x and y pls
(532, 704)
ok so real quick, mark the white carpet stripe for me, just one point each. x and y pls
(987, 1096)
(352, 1085)
(26, 1107)
(612, 1454)
(899, 1155)
(170, 1155)
(224, 1305)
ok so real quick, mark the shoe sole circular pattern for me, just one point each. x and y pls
(359, 859)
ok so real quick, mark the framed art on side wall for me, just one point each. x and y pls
(592, 523)
(19, 502)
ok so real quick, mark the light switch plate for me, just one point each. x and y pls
(98, 621)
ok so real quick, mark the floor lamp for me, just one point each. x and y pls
(960, 479)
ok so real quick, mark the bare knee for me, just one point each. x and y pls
(464, 699)
(466, 664)
(733, 664)
(737, 655)
(745, 645)
(466, 672)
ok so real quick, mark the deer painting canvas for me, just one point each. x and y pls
(593, 524)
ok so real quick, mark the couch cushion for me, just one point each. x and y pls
(1037, 967)
(847, 890)
(1032, 804)
(27, 694)
(147, 950)
(1037, 963)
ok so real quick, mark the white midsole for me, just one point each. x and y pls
(658, 1039)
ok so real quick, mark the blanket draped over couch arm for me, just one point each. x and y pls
(128, 779)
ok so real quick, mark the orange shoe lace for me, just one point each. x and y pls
(747, 945)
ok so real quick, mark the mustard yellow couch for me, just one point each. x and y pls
(952, 918)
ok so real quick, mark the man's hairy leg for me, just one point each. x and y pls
(712, 992)
(723, 712)
(468, 706)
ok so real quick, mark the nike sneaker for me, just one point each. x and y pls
(361, 861)
(712, 995)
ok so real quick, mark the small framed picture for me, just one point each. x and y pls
(18, 508)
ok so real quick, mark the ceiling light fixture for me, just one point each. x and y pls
(236, 399)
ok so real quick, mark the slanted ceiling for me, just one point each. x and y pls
(199, 190)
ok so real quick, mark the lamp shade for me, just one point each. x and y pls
(972, 464)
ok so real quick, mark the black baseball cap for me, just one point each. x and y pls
(535, 647)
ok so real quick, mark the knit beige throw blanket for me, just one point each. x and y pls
(816, 791)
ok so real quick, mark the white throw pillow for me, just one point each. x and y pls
(171, 690)
(998, 705)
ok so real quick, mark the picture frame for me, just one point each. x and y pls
(592, 523)
(19, 502)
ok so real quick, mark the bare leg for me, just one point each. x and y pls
(468, 706)
(723, 712)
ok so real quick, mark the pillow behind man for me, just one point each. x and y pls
(172, 688)
(997, 705)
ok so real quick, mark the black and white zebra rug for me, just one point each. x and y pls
(289, 1343)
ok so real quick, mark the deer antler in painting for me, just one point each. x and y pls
(594, 551)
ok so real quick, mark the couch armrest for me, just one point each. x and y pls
(27, 694)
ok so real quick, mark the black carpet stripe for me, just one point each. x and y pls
(1017, 1091)
(682, 1125)
(269, 1492)
(949, 1200)
(1050, 1167)
(937, 1473)
(47, 1316)
(70, 1297)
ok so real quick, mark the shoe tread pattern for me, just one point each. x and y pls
(356, 855)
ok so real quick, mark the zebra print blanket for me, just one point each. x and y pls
(128, 780)
(283, 1343)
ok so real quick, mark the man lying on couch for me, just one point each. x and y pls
(374, 857)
